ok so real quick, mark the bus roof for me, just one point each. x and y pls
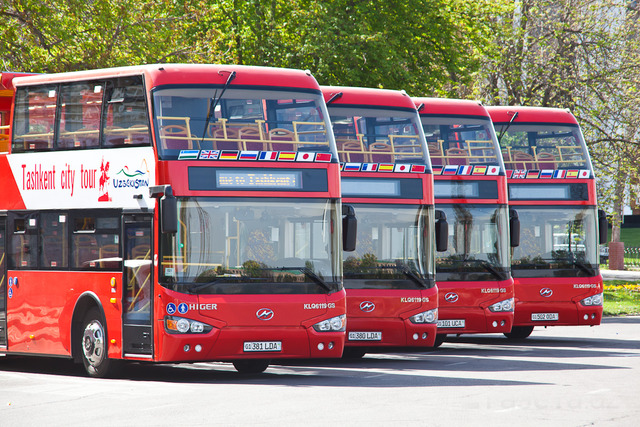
(185, 74)
(453, 107)
(503, 114)
(367, 96)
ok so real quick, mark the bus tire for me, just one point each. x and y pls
(93, 345)
(251, 366)
(440, 338)
(353, 353)
(519, 332)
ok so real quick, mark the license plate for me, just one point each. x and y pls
(263, 346)
(365, 336)
(544, 316)
(451, 323)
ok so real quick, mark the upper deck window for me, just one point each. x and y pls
(377, 135)
(35, 118)
(87, 114)
(546, 146)
(460, 141)
(242, 120)
(80, 109)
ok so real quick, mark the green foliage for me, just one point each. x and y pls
(57, 36)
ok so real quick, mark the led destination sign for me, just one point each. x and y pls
(408, 188)
(243, 179)
(256, 179)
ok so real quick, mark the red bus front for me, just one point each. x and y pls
(552, 186)
(386, 179)
(172, 213)
(475, 285)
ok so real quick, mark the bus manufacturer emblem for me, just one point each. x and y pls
(546, 292)
(451, 297)
(367, 306)
(264, 314)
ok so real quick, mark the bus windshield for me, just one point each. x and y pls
(253, 246)
(377, 135)
(478, 243)
(460, 141)
(561, 238)
(242, 120)
(544, 146)
(390, 248)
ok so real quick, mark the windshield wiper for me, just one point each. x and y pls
(486, 265)
(584, 267)
(214, 103)
(504, 129)
(307, 272)
(197, 287)
(413, 276)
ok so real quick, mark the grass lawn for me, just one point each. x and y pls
(630, 237)
(621, 297)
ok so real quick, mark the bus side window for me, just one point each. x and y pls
(53, 235)
(23, 247)
(80, 115)
(34, 122)
(126, 120)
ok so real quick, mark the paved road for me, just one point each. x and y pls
(564, 376)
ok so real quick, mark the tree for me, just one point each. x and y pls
(582, 55)
(71, 35)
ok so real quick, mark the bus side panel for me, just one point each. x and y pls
(11, 198)
(41, 306)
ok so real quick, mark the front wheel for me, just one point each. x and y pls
(94, 345)
(439, 340)
(519, 332)
(251, 366)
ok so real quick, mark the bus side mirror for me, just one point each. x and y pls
(514, 228)
(349, 228)
(603, 226)
(168, 208)
(442, 231)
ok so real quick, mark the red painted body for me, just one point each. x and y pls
(42, 307)
(542, 294)
(463, 304)
(393, 308)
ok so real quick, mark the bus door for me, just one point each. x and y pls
(137, 285)
(3, 284)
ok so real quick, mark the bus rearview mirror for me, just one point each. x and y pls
(603, 226)
(349, 228)
(442, 231)
(514, 228)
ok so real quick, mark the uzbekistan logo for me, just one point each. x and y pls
(367, 306)
(451, 297)
(132, 179)
(264, 314)
(546, 292)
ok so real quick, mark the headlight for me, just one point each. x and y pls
(593, 300)
(505, 305)
(430, 316)
(180, 325)
(335, 324)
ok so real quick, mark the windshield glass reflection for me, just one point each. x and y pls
(478, 243)
(391, 250)
(254, 243)
(556, 238)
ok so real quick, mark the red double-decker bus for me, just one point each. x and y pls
(387, 180)
(171, 213)
(474, 282)
(552, 185)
